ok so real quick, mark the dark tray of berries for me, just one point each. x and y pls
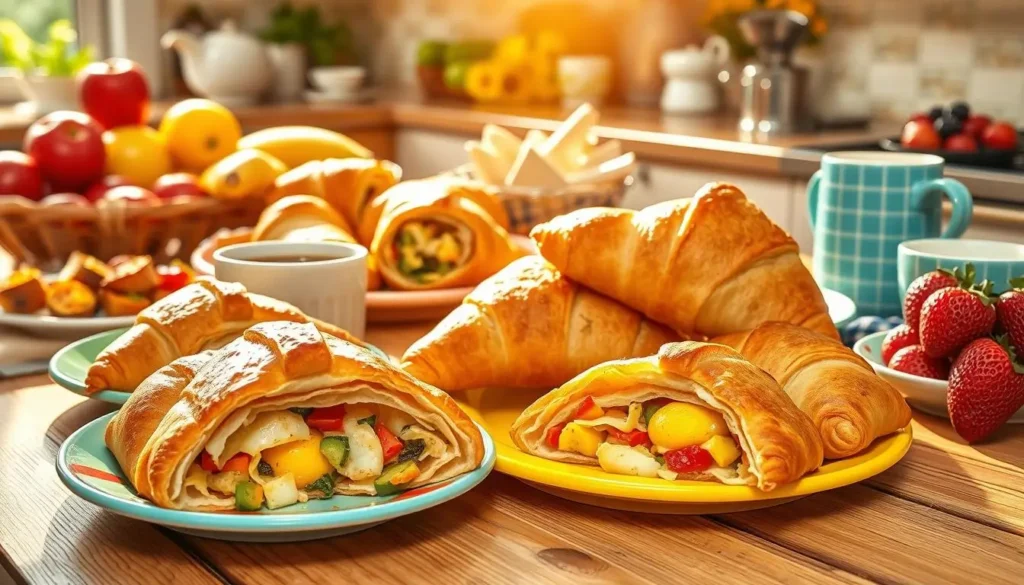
(960, 136)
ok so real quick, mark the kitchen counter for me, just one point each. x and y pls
(705, 141)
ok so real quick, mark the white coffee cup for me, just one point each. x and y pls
(332, 289)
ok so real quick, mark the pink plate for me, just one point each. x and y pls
(383, 306)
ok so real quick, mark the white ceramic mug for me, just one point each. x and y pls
(332, 290)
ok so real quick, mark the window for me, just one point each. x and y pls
(35, 16)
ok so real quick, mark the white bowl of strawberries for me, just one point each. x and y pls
(955, 355)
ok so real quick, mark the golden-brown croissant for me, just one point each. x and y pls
(849, 404)
(204, 315)
(438, 237)
(529, 327)
(712, 264)
(710, 414)
(282, 414)
(347, 184)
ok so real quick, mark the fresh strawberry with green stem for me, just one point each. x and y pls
(914, 361)
(1010, 311)
(923, 286)
(986, 386)
(953, 317)
(898, 337)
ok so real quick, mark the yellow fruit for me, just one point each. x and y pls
(483, 81)
(199, 133)
(296, 145)
(137, 153)
(300, 458)
(680, 424)
(723, 450)
(246, 173)
(580, 439)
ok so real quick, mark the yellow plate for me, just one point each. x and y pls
(496, 410)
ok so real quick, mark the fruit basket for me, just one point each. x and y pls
(45, 233)
(529, 206)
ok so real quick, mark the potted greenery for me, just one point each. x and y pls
(300, 35)
(46, 71)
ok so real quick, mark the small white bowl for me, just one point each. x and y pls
(338, 80)
(924, 394)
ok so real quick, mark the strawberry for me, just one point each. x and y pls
(1010, 310)
(953, 317)
(922, 287)
(899, 337)
(914, 361)
(986, 386)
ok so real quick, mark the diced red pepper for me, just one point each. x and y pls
(330, 418)
(389, 443)
(553, 434)
(239, 463)
(631, 438)
(172, 278)
(589, 410)
(206, 462)
(692, 459)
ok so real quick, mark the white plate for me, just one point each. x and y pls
(924, 394)
(63, 327)
(841, 308)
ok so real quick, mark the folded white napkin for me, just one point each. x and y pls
(17, 347)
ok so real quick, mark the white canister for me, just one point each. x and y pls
(691, 83)
(330, 284)
(289, 63)
(584, 78)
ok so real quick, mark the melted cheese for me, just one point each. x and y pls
(629, 423)
(268, 429)
(365, 457)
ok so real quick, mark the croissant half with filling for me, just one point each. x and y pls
(204, 315)
(529, 327)
(712, 264)
(696, 411)
(347, 184)
(283, 414)
(848, 403)
(439, 238)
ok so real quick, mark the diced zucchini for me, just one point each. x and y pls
(405, 238)
(370, 420)
(248, 496)
(264, 468)
(335, 449)
(322, 488)
(649, 409)
(412, 450)
(302, 411)
(395, 476)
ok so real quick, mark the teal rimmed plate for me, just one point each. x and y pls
(90, 470)
(69, 366)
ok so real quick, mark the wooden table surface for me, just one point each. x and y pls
(947, 513)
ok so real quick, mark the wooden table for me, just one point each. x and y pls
(948, 513)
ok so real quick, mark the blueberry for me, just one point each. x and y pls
(947, 126)
(959, 110)
(935, 113)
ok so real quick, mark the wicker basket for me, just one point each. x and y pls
(45, 234)
(529, 206)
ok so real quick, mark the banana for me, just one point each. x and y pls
(245, 173)
(296, 145)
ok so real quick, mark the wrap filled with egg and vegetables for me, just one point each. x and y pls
(436, 235)
(283, 414)
(695, 411)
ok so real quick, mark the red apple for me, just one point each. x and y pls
(960, 143)
(1000, 136)
(974, 125)
(176, 185)
(922, 117)
(920, 136)
(19, 175)
(68, 147)
(114, 92)
(99, 189)
(131, 195)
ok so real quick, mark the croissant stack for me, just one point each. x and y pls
(712, 264)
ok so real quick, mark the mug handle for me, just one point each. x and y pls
(959, 196)
(812, 196)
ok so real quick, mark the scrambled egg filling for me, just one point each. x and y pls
(427, 250)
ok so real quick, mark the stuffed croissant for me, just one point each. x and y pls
(204, 315)
(696, 411)
(283, 414)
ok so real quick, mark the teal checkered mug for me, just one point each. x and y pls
(862, 205)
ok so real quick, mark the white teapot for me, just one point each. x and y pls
(226, 66)
(690, 76)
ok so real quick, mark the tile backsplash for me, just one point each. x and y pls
(897, 55)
